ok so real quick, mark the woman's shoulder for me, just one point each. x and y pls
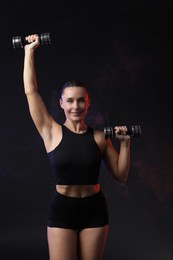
(98, 132)
(99, 137)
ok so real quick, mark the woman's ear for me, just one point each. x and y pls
(61, 103)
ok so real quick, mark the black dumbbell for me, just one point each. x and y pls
(18, 41)
(133, 131)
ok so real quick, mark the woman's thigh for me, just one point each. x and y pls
(62, 243)
(92, 243)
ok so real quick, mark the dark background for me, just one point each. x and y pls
(122, 49)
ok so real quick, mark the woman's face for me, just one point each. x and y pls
(75, 102)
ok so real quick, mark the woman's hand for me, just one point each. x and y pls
(33, 41)
(120, 133)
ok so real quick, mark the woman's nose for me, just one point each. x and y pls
(75, 104)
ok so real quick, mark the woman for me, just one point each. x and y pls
(78, 216)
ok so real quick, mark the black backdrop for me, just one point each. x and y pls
(122, 49)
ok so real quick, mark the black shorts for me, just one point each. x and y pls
(78, 213)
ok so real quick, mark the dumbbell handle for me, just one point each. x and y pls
(19, 42)
(133, 131)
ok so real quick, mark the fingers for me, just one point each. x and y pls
(120, 130)
(32, 38)
(121, 133)
(32, 42)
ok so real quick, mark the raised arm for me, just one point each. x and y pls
(40, 116)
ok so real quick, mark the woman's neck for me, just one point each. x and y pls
(78, 127)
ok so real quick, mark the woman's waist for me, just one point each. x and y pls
(78, 191)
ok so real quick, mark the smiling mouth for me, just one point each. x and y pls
(76, 113)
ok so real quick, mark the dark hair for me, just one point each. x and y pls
(74, 83)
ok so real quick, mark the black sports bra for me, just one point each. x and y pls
(77, 159)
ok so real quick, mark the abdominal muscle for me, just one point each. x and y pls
(78, 191)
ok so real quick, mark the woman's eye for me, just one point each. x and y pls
(82, 100)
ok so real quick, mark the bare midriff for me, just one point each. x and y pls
(78, 191)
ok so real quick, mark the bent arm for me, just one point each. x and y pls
(124, 160)
(118, 163)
